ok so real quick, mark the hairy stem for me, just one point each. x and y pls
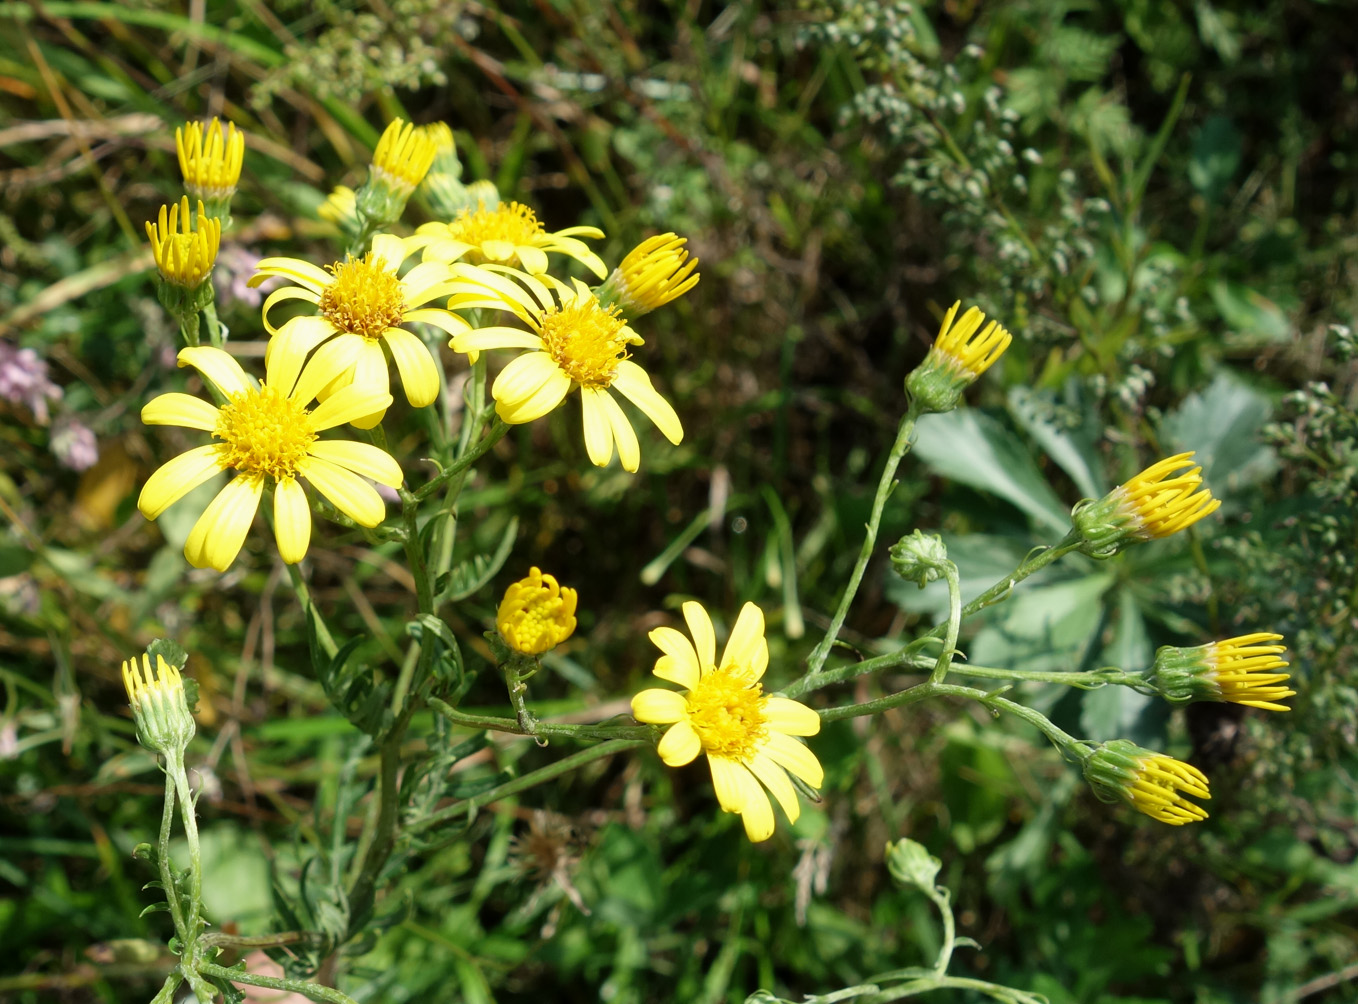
(163, 860)
(311, 991)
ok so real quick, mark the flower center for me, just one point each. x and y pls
(586, 340)
(726, 709)
(364, 298)
(510, 221)
(263, 432)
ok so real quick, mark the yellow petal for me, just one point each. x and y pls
(704, 638)
(173, 480)
(426, 281)
(679, 745)
(286, 293)
(728, 782)
(747, 639)
(774, 778)
(420, 373)
(349, 493)
(789, 753)
(301, 272)
(529, 387)
(598, 433)
(624, 436)
(291, 520)
(439, 318)
(791, 717)
(658, 707)
(532, 259)
(290, 346)
(218, 367)
(361, 458)
(679, 664)
(496, 337)
(183, 410)
(391, 249)
(631, 381)
(347, 404)
(216, 538)
(330, 361)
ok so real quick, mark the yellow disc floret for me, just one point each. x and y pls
(586, 340)
(726, 709)
(536, 614)
(510, 222)
(264, 433)
(365, 297)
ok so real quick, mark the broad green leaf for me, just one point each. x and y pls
(1074, 453)
(1222, 424)
(1051, 627)
(974, 449)
(1250, 314)
(1120, 712)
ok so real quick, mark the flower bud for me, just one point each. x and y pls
(210, 160)
(655, 272)
(1155, 503)
(911, 865)
(403, 157)
(919, 557)
(536, 614)
(159, 706)
(958, 356)
(1121, 771)
(1237, 670)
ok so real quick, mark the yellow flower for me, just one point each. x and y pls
(159, 705)
(507, 233)
(269, 437)
(574, 343)
(210, 159)
(958, 356)
(341, 208)
(536, 614)
(403, 157)
(1150, 782)
(184, 249)
(747, 735)
(655, 272)
(362, 301)
(441, 136)
(1161, 500)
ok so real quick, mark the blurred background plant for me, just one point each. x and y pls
(1157, 198)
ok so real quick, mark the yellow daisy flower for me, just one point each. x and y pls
(362, 301)
(184, 247)
(507, 233)
(575, 342)
(747, 735)
(268, 436)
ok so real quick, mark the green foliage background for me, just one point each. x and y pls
(1156, 197)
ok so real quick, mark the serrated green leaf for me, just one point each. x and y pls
(1223, 423)
(172, 652)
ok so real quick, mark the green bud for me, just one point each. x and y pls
(911, 865)
(919, 558)
(159, 707)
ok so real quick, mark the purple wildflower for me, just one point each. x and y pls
(23, 380)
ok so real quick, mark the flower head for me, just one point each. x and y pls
(505, 233)
(361, 304)
(24, 380)
(185, 247)
(403, 156)
(746, 735)
(960, 354)
(655, 272)
(159, 706)
(269, 436)
(210, 160)
(341, 208)
(1161, 500)
(536, 614)
(575, 342)
(1241, 670)
(1152, 783)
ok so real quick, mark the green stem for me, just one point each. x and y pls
(214, 326)
(311, 991)
(1090, 680)
(171, 984)
(539, 728)
(916, 987)
(497, 432)
(954, 623)
(530, 780)
(942, 900)
(309, 610)
(166, 868)
(884, 487)
(364, 891)
(193, 923)
(188, 328)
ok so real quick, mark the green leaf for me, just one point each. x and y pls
(1115, 712)
(1051, 627)
(1250, 314)
(470, 576)
(1222, 423)
(1216, 157)
(172, 652)
(1071, 449)
(972, 448)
